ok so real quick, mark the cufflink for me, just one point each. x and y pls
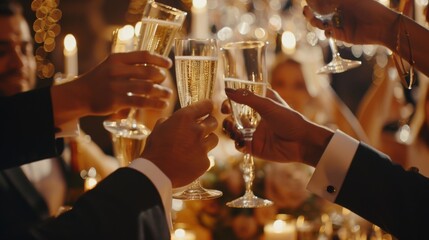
(331, 189)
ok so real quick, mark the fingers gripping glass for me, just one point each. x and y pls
(326, 11)
(160, 23)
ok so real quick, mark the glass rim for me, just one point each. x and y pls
(168, 8)
(245, 44)
(196, 39)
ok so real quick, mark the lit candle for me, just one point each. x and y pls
(125, 40)
(182, 234)
(200, 19)
(70, 56)
(279, 230)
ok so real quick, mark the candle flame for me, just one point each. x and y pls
(126, 33)
(180, 233)
(70, 42)
(199, 3)
(279, 226)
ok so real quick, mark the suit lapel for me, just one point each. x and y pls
(26, 189)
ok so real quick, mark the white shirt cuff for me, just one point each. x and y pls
(161, 182)
(69, 129)
(333, 166)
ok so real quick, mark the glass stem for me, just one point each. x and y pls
(247, 166)
(194, 186)
(334, 48)
(131, 118)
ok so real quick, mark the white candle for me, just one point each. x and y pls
(70, 56)
(279, 230)
(200, 19)
(125, 39)
(182, 234)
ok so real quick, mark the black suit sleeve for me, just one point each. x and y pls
(27, 130)
(115, 209)
(385, 194)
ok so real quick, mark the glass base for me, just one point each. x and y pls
(198, 194)
(339, 65)
(249, 200)
(126, 128)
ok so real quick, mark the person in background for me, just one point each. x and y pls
(309, 93)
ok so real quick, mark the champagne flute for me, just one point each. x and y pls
(325, 10)
(160, 23)
(196, 66)
(244, 67)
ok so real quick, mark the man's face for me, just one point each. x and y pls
(17, 62)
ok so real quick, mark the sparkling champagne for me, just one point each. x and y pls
(127, 149)
(157, 36)
(245, 117)
(195, 78)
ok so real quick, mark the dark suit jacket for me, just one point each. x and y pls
(27, 131)
(125, 205)
(21, 205)
(385, 194)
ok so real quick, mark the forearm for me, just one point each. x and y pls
(414, 47)
(416, 40)
(27, 128)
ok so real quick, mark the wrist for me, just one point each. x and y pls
(315, 142)
(67, 103)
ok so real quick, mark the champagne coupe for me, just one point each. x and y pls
(325, 10)
(160, 23)
(196, 66)
(244, 67)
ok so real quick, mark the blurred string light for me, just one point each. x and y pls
(46, 29)
(260, 34)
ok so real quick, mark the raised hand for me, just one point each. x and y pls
(283, 134)
(105, 89)
(179, 145)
